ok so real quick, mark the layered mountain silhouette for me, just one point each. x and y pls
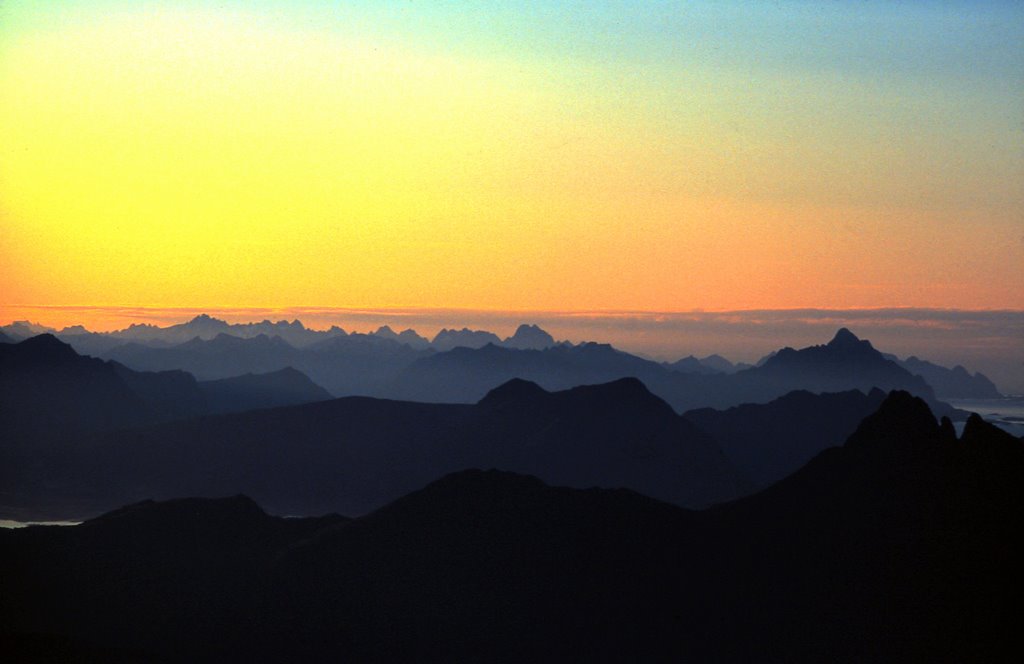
(378, 364)
(354, 454)
(529, 337)
(53, 402)
(691, 364)
(770, 441)
(448, 339)
(48, 390)
(845, 363)
(722, 365)
(285, 387)
(223, 356)
(349, 364)
(898, 546)
(465, 375)
(955, 383)
(408, 337)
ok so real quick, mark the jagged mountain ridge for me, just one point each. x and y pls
(355, 375)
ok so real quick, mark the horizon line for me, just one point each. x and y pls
(313, 309)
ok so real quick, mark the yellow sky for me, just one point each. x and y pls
(208, 157)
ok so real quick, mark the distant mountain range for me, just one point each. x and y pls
(955, 383)
(901, 545)
(845, 363)
(206, 327)
(407, 365)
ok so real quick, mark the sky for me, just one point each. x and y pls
(494, 156)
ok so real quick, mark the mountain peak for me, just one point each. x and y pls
(899, 421)
(206, 320)
(844, 337)
(979, 432)
(515, 390)
(46, 346)
(530, 337)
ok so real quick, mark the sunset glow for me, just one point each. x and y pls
(573, 157)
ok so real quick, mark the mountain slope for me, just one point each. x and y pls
(286, 387)
(47, 390)
(899, 546)
(846, 363)
(770, 441)
(354, 454)
(448, 339)
(955, 383)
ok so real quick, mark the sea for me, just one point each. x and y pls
(7, 523)
(1006, 413)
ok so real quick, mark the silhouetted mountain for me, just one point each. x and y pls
(691, 365)
(343, 364)
(285, 387)
(51, 397)
(448, 339)
(354, 454)
(4, 339)
(47, 390)
(613, 435)
(171, 572)
(722, 365)
(408, 337)
(955, 383)
(465, 375)
(92, 343)
(20, 330)
(169, 395)
(224, 356)
(899, 546)
(202, 326)
(391, 365)
(843, 363)
(529, 337)
(770, 441)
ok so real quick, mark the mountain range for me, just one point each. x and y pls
(844, 363)
(407, 365)
(82, 434)
(900, 545)
(354, 454)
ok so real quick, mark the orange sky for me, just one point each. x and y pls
(278, 154)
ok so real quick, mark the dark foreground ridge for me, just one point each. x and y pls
(355, 454)
(898, 546)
